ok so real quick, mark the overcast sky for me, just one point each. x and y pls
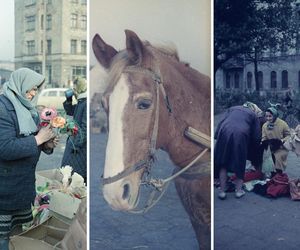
(186, 24)
(7, 30)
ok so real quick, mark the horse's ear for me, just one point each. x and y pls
(103, 52)
(134, 47)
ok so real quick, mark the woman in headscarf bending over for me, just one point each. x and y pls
(275, 132)
(237, 135)
(21, 143)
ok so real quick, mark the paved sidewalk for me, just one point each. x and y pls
(164, 227)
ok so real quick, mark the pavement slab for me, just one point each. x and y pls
(257, 222)
(164, 227)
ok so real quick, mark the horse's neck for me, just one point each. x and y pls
(190, 107)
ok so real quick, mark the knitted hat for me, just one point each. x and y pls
(80, 85)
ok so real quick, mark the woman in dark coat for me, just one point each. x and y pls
(20, 146)
(237, 134)
(75, 152)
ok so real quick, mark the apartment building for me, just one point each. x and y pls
(50, 38)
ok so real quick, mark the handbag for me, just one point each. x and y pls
(295, 189)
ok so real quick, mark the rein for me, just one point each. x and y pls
(159, 185)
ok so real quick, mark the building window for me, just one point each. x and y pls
(37, 68)
(42, 22)
(73, 46)
(31, 47)
(48, 74)
(83, 2)
(49, 22)
(83, 47)
(78, 71)
(284, 79)
(273, 80)
(30, 23)
(236, 80)
(227, 81)
(30, 2)
(49, 1)
(83, 22)
(260, 80)
(42, 46)
(249, 80)
(49, 47)
(74, 18)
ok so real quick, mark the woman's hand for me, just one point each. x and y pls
(45, 134)
(52, 143)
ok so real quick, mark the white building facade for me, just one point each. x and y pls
(50, 38)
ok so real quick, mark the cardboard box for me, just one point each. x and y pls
(75, 238)
(44, 236)
(81, 214)
(50, 176)
(23, 243)
(63, 204)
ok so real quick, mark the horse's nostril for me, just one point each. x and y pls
(126, 191)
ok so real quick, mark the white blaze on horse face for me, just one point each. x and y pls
(114, 162)
(114, 158)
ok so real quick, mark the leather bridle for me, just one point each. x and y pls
(159, 185)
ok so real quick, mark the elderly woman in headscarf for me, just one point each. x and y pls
(237, 134)
(275, 132)
(21, 143)
(75, 151)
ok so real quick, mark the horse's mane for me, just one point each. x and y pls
(122, 60)
(167, 50)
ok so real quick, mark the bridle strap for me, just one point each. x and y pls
(152, 148)
(161, 185)
(138, 166)
(153, 141)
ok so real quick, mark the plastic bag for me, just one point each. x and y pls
(267, 165)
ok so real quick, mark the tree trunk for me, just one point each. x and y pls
(255, 61)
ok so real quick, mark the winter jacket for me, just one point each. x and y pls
(19, 155)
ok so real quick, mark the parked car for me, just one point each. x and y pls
(52, 98)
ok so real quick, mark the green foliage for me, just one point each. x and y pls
(242, 27)
(225, 99)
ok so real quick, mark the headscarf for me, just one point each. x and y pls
(275, 114)
(252, 106)
(21, 81)
(80, 87)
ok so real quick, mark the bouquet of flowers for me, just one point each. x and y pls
(61, 124)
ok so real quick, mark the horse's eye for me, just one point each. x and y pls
(144, 104)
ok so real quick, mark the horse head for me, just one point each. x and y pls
(129, 104)
(140, 115)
